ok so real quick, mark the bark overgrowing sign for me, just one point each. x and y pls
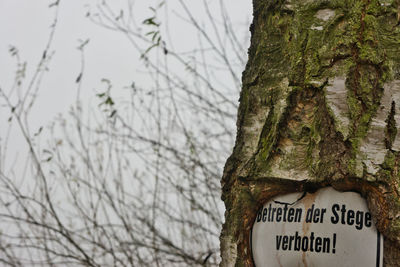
(326, 228)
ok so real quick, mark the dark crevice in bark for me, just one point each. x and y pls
(391, 129)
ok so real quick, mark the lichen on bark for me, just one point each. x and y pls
(320, 106)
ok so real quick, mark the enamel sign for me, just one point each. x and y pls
(328, 228)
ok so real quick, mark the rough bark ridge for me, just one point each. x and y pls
(320, 106)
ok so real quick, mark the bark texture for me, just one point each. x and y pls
(320, 106)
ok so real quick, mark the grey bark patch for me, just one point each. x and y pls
(385, 2)
(336, 97)
(255, 123)
(394, 88)
(373, 148)
(317, 28)
(229, 250)
(285, 168)
(325, 14)
(288, 165)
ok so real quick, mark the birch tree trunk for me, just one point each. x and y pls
(320, 106)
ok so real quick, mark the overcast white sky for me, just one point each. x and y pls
(25, 24)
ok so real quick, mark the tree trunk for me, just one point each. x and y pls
(320, 106)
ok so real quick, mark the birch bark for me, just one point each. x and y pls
(320, 106)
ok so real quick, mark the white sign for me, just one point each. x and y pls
(328, 228)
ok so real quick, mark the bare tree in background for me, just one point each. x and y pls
(138, 183)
